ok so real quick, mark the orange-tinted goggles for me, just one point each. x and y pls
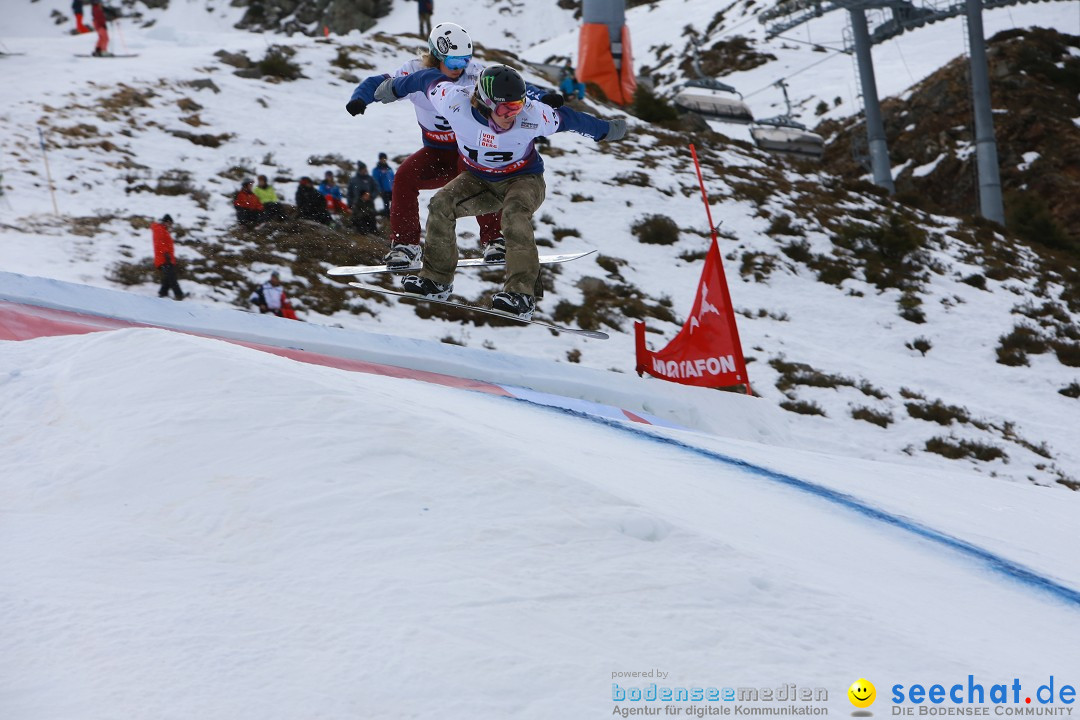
(509, 109)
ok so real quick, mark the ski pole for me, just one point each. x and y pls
(120, 34)
(48, 173)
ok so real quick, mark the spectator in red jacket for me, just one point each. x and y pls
(249, 209)
(165, 257)
(97, 12)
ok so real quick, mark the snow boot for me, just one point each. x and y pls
(403, 257)
(514, 303)
(430, 289)
(495, 252)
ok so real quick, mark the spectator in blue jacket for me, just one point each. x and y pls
(335, 202)
(384, 178)
(570, 87)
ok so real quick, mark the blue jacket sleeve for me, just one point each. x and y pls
(417, 82)
(534, 92)
(366, 90)
(582, 123)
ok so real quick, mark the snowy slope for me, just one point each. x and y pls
(276, 127)
(229, 534)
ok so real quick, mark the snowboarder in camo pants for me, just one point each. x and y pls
(495, 126)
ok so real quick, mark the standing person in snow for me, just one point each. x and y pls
(437, 162)
(425, 9)
(101, 25)
(77, 11)
(165, 257)
(384, 178)
(361, 194)
(496, 127)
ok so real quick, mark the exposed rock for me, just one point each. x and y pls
(311, 16)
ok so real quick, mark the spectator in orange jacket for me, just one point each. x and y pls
(97, 12)
(165, 257)
(249, 209)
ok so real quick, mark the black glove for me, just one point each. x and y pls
(356, 107)
(553, 99)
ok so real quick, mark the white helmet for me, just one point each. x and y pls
(449, 40)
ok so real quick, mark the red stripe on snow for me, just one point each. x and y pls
(635, 418)
(26, 322)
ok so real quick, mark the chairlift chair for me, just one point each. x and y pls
(784, 134)
(712, 98)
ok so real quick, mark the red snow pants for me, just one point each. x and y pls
(427, 169)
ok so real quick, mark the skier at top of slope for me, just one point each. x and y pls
(495, 126)
(436, 163)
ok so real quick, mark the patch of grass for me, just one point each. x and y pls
(909, 308)
(130, 274)
(976, 280)
(867, 389)
(781, 225)
(277, 63)
(635, 178)
(345, 61)
(799, 251)
(892, 252)
(560, 233)
(757, 264)
(612, 265)
(1013, 349)
(656, 230)
(1068, 353)
(651, 108)
(881, 419)
(202, 139)
(606, 304)
(1028, 215)
(921, 344)
(955, 449)
(938, 412)
(1072, 390)
(803, 407)
(792, 374)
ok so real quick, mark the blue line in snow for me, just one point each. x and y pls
(995, 562)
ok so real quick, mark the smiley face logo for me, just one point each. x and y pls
(862, 693)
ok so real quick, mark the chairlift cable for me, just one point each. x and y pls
(786, 77)
(900, 51)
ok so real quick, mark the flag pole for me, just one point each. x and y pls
(48, 174)
(723, 279)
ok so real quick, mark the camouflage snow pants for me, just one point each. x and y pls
(467, 195)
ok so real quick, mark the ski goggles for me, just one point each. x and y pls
(509, 109)
(457, 62)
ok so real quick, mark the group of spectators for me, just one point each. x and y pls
(324, 203)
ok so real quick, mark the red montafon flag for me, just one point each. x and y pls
(706, 352)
